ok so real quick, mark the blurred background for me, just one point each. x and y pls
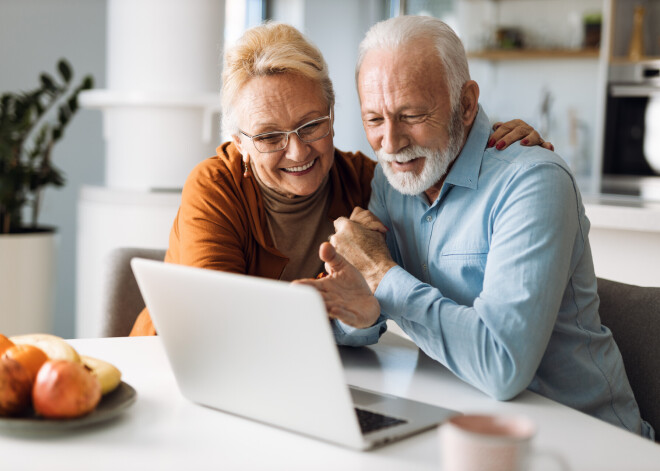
(582, 72)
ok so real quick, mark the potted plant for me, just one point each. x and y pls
(31, 122)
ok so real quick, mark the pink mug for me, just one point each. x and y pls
(486, 443)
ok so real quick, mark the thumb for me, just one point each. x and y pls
(333, 260)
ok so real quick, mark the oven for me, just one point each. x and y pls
(632, 127)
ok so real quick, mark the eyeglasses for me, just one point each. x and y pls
(275, 141)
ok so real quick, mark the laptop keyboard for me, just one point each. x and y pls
(371, 421)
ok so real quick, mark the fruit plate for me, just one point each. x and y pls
(110, 406)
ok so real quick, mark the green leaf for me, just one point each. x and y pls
(73, 103)
(88, 83)
(65, 70)
(28, 131)
(47, 82)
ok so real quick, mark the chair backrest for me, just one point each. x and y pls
(123, 301)
(632, 313)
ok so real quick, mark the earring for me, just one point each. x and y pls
(245, 167)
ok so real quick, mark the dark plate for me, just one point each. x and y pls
(111, 405)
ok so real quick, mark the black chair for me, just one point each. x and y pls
(123, 300)
(632, 313)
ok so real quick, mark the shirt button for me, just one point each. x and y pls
(429, 218)
(424, 267)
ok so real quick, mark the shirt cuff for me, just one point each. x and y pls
(354, 337)
(392, 292)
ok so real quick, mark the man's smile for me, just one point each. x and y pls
(407, 166)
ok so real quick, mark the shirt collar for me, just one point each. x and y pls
(465, 171)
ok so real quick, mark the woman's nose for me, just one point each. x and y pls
(296, 148)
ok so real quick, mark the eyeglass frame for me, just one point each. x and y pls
(288, 133)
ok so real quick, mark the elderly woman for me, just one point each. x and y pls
(266, 202)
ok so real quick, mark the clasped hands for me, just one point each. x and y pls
(356, 260)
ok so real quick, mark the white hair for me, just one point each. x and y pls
(401, 30)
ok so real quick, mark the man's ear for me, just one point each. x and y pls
(469, 102)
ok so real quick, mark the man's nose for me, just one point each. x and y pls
(394, 138)
(296, 149)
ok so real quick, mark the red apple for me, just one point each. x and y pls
(64, 390)
(15, 387)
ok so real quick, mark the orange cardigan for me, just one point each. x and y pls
(221, 223)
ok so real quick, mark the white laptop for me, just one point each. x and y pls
(264, 350)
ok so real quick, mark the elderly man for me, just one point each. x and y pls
(486, 263)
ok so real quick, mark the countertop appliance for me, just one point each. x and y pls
(632, 128)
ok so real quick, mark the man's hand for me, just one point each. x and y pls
(346, 294)
(361, 242)
(368, 220)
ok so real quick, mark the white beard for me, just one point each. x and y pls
(436, 162)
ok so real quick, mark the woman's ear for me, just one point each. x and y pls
(246, 157)
(236, 139)
(469, 102)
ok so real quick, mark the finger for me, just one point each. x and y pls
(548, 145)
(513, 136)
(307, 282)
(357, 211)
(333, 261)
(368, 220)
(504, 129)
(532, 139)
(376, 226)
(339, 223)
(373, 223)
(508, 126)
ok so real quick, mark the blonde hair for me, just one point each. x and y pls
(269, 49)
(398, 31)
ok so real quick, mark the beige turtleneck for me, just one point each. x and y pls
(298, 226)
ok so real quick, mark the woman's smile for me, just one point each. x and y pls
(287, 103)
(300, 170)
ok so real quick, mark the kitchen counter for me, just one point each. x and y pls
(625, 237)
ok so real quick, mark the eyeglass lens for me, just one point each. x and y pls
(310, 132)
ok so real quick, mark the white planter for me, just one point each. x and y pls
(27, 282)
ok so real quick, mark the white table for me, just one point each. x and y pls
(163, 431)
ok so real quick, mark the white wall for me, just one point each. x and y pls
(515, 89)
(34, 34)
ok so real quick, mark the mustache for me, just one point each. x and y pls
(406, 155)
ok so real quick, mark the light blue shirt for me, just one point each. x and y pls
(495, 280)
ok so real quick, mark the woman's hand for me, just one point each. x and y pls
(516, 130)
(345, 292)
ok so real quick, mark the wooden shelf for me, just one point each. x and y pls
(534, 54)
(625, 60)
